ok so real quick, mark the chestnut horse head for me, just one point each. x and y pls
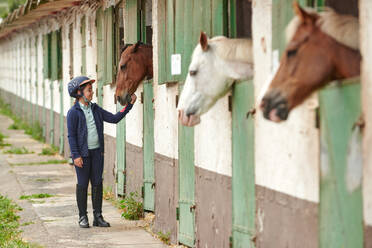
(322, 47)
(135, 64)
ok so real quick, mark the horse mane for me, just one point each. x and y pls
(342, 28)
(122, 49)
(232, 49)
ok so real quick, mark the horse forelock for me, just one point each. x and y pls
(232, 49)
(342, 28)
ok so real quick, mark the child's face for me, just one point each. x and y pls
(88, 92)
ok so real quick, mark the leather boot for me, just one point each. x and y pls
(97, 192)
(81, 198)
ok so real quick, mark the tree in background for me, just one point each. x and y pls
(8, 6)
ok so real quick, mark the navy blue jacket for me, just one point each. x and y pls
(77, 127)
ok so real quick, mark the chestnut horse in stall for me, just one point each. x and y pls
(134, 66)
(322, 47)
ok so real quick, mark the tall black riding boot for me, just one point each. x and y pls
(81, 198)
(97, 207)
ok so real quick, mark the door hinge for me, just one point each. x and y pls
(142, 97)
(317, 118)
(231, 242)
(178, 213)
(230, 103)
(192, 208)
(143, 191)
(177, 101)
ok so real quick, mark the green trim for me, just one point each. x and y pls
(340, 209)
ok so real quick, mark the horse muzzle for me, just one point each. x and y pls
(125, 99)
(274, 106)
(188, 119)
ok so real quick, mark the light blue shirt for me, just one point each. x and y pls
(93, 141)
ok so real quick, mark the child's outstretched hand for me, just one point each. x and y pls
(134, 98)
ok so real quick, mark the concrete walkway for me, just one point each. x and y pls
(52, 222)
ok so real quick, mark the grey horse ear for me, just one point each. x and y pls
(135, 49)
(203, 40)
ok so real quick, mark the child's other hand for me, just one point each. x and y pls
(134, 98)
(78, 162)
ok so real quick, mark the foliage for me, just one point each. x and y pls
(9, 233)
(35, 196)
(17, 150)
(164, 237)
(131, 207)
(8, 6)
(50, 150)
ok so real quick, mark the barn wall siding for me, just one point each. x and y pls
(166, 195)
(285, 221)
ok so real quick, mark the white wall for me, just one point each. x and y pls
(40, 69)
(365, 17)
(65, 67)
(165, 121)
(109, 105)
(286, 156)
(134, 121)
(213, 147)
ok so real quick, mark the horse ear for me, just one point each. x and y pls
(203, 41)
(301, 13)
(135, 49)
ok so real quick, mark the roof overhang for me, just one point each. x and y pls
(32, 12)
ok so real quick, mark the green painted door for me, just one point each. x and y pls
(243, 169)
(131, 35)
(148, 125)
(341, 207)
(186, 177)
(282, 14)
(148, 147)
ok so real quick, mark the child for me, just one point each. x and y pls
(85, 136)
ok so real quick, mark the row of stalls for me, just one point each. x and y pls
(235, 180)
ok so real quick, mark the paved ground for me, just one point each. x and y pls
(52, 222)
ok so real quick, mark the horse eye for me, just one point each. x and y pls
(291, 53)
(193, 73)
(122, 67)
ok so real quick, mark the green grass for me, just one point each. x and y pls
(164, 237)
(9, 225)
(2, 137)
(131, 207)
(27, 223)
(35, 130)
(17, 150)
(43, 180)
(35, 196)
(50, 150)
(51, 161)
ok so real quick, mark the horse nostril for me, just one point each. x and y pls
(282, 111)
(190, 111)
(128, 98)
